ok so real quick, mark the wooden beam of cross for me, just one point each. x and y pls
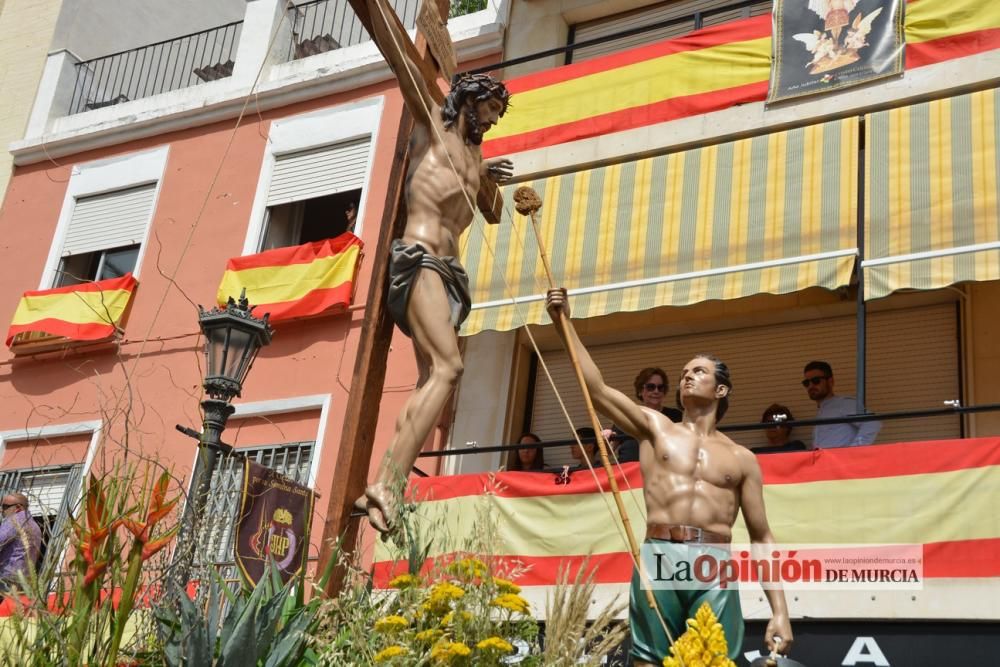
(357, 436)
(432, 25)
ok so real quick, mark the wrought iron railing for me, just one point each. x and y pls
(156, 68)
(325, 25)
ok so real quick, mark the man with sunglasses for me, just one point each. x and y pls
(818, 382)
(20, 540)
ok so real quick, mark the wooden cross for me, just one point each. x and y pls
(440, 62)
(436, 57)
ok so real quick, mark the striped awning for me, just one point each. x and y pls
(932, 191)
(775, 213)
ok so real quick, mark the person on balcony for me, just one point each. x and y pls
(695, 482)
(528, 459)
(20, 541)
(651, 387)
(818, 382)
(779, 436)
(588, 451)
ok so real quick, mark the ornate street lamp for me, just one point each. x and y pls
(233, 337)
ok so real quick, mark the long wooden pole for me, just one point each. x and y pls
(527, 201)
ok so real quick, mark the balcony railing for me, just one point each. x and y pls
(156, 68)
(325, 25)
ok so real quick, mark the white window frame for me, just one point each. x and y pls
(312, 130)
(99, 177)
(94, 427)
(284, 406)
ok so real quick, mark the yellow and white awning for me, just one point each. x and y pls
(774, 213)
(933, 215)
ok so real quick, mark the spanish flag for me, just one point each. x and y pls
(704, 71)
(298, 281)
(90, 311)
(934, 494)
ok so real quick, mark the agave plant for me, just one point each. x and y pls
(266, 626)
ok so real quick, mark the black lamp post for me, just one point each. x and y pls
(233, 337)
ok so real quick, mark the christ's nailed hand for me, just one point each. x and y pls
(500, 169)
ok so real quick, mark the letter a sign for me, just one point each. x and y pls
(864, 651)
(273, 523)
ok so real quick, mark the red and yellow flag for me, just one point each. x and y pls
(931, 493)
(90, 311)
(299, 281)
(700, 72)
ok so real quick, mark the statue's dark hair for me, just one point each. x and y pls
(478, 87)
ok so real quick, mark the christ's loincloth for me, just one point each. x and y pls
(404, 263)
(678, 601)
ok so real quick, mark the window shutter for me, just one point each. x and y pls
(46, 490)
(109, 220)
(318, 172)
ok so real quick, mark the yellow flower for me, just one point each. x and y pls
(495, 644)
(404, 581)
(391, 624)
(505, 586)
(429, 636)
(390, 652)
(441, 595)
(703, 644)
(449, 618)
(445, 652)
(468, 568)
(513, 602)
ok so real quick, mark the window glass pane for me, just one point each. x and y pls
(78, 269)
(118, 262)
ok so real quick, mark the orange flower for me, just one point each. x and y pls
(91, 538)
(150, 548)
(158, 509)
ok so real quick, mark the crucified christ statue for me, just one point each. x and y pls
(429, 289)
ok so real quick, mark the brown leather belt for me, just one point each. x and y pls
(674, 533)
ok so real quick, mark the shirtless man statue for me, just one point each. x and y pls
(695, 480)
(429, 289)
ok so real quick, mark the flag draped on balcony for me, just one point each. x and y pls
(299, 281)
(90, 311)
(933, 494)
(703, 71)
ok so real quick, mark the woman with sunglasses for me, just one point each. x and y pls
(651, 389)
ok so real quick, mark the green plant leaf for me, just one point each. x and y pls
(238, 647)
(198, 650)
(291, 644)
(214, 610)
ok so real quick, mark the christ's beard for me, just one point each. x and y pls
(473, 133)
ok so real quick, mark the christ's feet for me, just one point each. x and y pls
(380, 505)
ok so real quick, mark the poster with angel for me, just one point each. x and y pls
(825, 45)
